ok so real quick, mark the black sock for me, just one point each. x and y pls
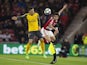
(54, 56)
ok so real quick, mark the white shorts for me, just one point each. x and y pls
(49, 33)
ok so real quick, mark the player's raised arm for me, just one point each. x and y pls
(18, 17)
(61, 10)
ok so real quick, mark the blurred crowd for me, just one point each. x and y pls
(80, 39)
(11, 31)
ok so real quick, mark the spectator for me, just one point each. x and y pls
(5, 36)
(21, 37)
(65, 48)
(66, 44)
(21, 4)
(78, 39)
(16, 9)
(84, 39)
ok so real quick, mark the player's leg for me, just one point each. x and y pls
(42, 43)
(54, 57)
(45, 34)
(30, 41)
(28, 47)
(43, 46)
(47, 38)
(52, 37)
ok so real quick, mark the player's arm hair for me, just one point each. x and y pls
(61, 10)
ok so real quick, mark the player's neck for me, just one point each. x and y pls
(31, 13)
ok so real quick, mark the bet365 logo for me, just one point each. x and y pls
(20, 49)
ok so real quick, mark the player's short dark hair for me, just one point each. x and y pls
(29, 8)
(56, 13)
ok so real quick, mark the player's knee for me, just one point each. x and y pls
(42, 40)
(30, 41)
(53, 39)
(47, 39)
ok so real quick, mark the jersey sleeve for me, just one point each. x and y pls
(21, 16)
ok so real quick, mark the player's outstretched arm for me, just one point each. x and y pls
(61, 10)
(18, 17)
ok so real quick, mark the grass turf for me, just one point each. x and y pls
(39, 60)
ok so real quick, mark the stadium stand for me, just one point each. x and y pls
(18, 30)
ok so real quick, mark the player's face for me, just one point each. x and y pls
(31, 11)
(56, 17)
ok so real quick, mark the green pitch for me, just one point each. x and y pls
(39, 60)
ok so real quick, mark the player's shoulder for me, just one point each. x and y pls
(36, 13)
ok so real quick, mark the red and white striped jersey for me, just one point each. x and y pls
(50, 21)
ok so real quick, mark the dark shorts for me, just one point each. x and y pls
(35, 33)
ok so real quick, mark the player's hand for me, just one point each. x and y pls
(56, 29)
(14, 18)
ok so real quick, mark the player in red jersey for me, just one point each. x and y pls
(48, 34)
(49, 27)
